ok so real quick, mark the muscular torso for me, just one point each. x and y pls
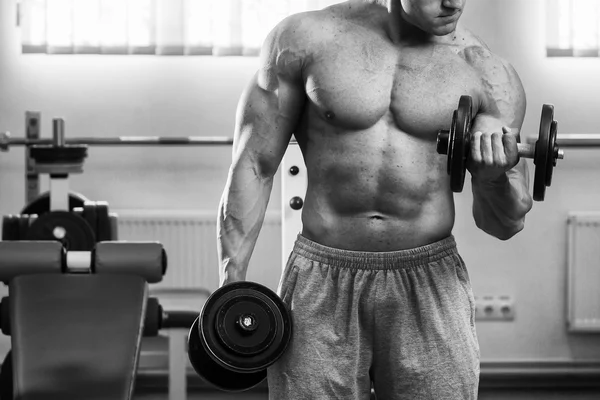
(368, 133)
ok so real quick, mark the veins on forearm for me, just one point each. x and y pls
(499, 208)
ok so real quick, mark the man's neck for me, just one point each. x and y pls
(402, 32)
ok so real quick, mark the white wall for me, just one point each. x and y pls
(177, 96)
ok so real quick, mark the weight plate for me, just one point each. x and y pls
(442, 142)
(91, 216)
(23, 225)
(10, 227)
(48, 154)
(213, 372)
(246, 325)
(451, 144)
(153, 317)
(553, 153)
(242, 349)
(6, 378)
(104, 227)
(114, 227)
(5, 315)
(71, 230)
(543, 155)
(459, 143)
(41, 205)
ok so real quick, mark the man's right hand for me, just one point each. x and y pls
(228, 277)
(268, 113)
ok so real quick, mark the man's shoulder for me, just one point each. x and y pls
(302, 29)
(479, 56)
(501, 81)
(315, 29)
(290, 44)
(299, 38)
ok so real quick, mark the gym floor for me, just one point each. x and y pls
(495, 394)
(529, 394)
(492, 387)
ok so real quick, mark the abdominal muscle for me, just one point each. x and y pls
(375, 190)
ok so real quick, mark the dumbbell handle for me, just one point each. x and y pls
(177, 319)
(524, 150)
(528, 151)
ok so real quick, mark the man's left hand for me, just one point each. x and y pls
(492, 154)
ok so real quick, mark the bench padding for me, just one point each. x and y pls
(76, 336)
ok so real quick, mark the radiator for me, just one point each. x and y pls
(189, 239)
(583, 289)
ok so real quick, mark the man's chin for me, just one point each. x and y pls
(444, 30)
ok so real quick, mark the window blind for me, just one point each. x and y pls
(158, 27)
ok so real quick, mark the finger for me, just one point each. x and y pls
(514, 131)
(476, 147)
(511, 148)
(498, 149)
(487, 153)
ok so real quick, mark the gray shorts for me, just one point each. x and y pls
(402, 322)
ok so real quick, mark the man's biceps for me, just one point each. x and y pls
(292, 93)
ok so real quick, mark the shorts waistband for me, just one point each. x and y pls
(408, 258)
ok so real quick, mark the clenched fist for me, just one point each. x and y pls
(492, 154)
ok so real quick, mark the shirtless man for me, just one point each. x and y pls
(377, 289)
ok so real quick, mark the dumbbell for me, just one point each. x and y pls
(158, 318)
(456, 144)
(243, 329)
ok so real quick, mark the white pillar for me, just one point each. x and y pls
(292, 185)
(178, 361)
(59, 194)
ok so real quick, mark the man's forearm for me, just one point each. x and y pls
(241, 215)
(499, 207)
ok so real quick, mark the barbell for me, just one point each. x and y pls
(6, 141)
(456, 144)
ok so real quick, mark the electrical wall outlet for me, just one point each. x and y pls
(494, 308)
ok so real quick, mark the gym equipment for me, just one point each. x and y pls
(6, 378)
(16, 227)
(52, 154)
(104, 228)
(455, 143)
(6, 141)
(152, 325)
(88, 212)
(102, 222)
(79, 229)
(41, 204)
(61, 215)
(158, 318)
(76, 147)
(296, 203)
(243, 328)
(10, 227)
(294, 186)
(59, 156)
(145, 259)
(71, 230)
(76, 318)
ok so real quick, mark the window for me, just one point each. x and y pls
(162, 27)
(572, 28)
